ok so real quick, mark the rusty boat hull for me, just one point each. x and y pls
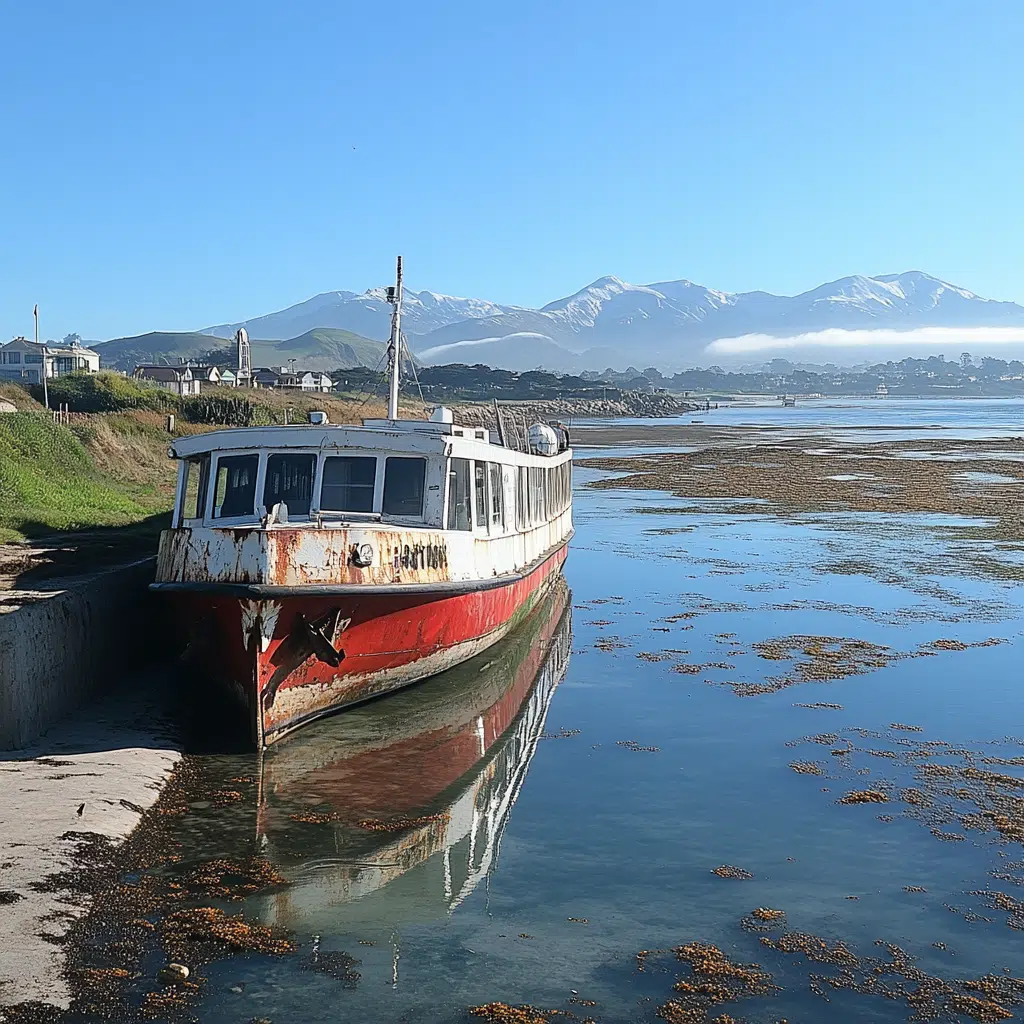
(290, 655)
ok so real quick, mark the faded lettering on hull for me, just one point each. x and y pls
(357, 555)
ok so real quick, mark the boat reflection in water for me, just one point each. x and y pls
(392, 812)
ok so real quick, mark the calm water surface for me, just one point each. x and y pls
(568, 795)
(889, 418)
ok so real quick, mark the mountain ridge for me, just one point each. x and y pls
(671, 324)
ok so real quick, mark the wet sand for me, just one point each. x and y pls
(85, 783)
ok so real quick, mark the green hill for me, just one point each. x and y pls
(323, 348)
(158, 347)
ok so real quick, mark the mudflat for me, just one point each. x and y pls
(823, 472)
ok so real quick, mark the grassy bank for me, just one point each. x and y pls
(52, 480)
(108, 466)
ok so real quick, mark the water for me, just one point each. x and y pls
(567, 795)
(867, 418)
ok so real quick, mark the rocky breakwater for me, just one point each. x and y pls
(628, 404)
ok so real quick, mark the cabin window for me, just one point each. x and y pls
(459, 517)
(197, 478)
(497, 496)
(480, 492)
(290, 480)
(538, 513)
(348, 483)
(403, 486)
(522, 499)
(235, 493)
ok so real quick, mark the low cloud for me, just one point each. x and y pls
(935, 338)
(437, 350)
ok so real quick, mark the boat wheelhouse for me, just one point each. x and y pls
(317, 566)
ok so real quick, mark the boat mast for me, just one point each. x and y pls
(395, 344)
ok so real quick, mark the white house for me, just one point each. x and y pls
(179, 379)
(313, 381)
(23, 360)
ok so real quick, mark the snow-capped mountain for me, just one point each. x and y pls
(366, 313)
(669, 323)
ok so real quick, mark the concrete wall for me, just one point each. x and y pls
(57, 649)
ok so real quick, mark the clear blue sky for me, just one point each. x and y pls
(174, 165)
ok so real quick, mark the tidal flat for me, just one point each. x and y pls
(765, 761)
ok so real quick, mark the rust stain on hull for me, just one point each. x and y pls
(261, 649)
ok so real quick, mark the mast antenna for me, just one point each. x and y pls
(394, 296)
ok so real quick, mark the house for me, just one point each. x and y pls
(178, 379)
(303, 380)
(207, 374)
(228, 377)
(23, 360)
(314, 381)
(265, 377)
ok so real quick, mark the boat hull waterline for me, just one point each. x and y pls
(289, 657)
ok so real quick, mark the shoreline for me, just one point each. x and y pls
(87, 780)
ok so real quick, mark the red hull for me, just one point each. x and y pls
(275, 654)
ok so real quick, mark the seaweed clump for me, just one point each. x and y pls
(204, 933)
(896, 977)
(715, 980)
(762, 919)
(864, 796)
(731, 871)
(503, 1013)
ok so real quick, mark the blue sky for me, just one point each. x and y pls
(170, 166)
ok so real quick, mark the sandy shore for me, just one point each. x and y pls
(90, 776)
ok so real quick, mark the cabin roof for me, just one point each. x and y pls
(422, 437)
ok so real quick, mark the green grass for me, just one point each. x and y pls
(105, 392)
(49, 482)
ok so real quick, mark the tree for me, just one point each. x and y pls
(965, 360)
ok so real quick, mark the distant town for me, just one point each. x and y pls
(23, 361)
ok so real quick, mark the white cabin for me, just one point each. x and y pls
(470, 508)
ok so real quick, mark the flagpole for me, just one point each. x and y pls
(46, 390)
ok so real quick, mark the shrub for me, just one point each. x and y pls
(224, 411)
(105, 392)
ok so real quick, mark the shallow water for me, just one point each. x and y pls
(893, 419)
(541, 860)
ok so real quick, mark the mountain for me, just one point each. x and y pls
(368, 314)
(155, 347)
(610, 322)
(677, 323)
(325, 348)
(321, 349)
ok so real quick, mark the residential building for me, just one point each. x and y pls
(302, 380)
(207, 374)
(179, 379)
(23, 360)
(265, 377)
(312, 380)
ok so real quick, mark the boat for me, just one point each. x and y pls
(315, 566)
(392, 813)
(881, 391)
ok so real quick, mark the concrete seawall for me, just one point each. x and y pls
(59, 646)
